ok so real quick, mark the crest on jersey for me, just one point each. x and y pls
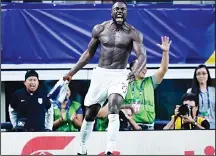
(40, 100)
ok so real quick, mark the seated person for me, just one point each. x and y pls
(186, 115)
(126, 119)
(68, 116)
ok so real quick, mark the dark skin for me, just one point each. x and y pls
(117, 38)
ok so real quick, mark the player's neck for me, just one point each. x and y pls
(116, 26)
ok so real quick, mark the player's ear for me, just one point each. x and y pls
(112, 12)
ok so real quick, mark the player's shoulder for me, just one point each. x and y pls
(129, 26)
(132, 28)
(98, 28)
(136, 34)
(105, 23)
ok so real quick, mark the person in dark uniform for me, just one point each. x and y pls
(30, 109)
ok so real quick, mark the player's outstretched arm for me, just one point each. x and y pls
(88, 53)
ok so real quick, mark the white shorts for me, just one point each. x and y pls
(105, 82)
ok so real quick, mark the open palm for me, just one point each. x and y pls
(165, 46)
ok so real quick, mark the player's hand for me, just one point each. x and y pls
(67, 77)
(165, 43)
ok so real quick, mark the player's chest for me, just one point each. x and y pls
(115, 38)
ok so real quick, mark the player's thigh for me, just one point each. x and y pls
(98, 90)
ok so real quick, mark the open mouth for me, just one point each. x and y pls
(119, 18)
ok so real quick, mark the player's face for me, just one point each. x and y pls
(119, 13)
(32, 83)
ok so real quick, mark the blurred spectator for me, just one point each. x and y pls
(186, 115)
(205, 93)
(140, 92)
(68, 116)
(125, 117)
(30, 109)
